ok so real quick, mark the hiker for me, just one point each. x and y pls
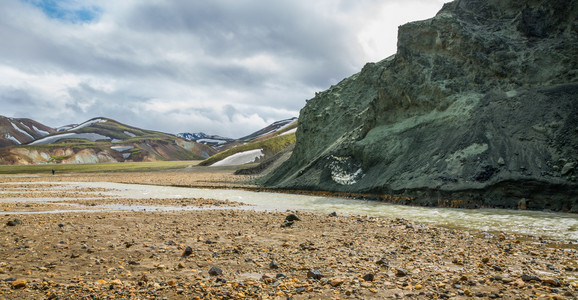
(53, 171)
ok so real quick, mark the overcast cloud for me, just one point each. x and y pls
(225, 67)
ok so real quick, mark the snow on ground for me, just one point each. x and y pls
(65, 128)
(41, 132)
(9, 137)
(211, 141)
(240, 158)
(24, 132)
(121, 148)
(24, 125)
(289, 131)
(87, 136)
(289, 122)
(88, 123)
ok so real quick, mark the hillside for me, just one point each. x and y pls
(15, 131)
(104, 140)
(223, 143)
(256, 147)
(477, 108)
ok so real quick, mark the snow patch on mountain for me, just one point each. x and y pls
(121, 148)
(9, 137)
(211, 141)
(22, 131)
(289, 131)
(88, 123)
(40, 132)
(240, 158)
(66, 127)
(87, 136)
(274, 127)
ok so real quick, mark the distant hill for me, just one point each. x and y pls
(102, 140)
(17, 131)
(200, 137)
(223, 143)
(256, 147)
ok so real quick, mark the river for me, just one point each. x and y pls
(560, 226)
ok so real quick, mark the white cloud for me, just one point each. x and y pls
(180, 66)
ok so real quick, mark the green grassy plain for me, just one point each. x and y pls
(97, 168)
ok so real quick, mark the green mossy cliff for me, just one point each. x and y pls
(478, 105)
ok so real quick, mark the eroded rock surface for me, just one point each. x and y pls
(479, 104)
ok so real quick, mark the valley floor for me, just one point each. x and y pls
(236, 253)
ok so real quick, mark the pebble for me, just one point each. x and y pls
(292, 217)
(273, 265)
(401, 272)
(526, 277)
(314, 274)
(13, 222)
(17, 284)
(215, 271)
(188, 251)
(368, 277)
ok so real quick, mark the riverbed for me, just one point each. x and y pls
(560, 226)
(109, 236)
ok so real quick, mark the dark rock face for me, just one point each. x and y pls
(479, 107)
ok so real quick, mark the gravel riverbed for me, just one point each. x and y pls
(237, 253)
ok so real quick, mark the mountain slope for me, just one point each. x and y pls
(17, 131)
(223, 143)
(477, 108)
(104, 140)
(258, 146)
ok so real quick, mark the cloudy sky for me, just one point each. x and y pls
(225, 67)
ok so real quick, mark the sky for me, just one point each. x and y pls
(226, 67)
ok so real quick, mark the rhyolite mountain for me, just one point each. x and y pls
(102, 140)
(259, 146)
(477, 108)
(207, 139)
(222, 143)
(17, 131)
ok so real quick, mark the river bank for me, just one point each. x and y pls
(238, 253)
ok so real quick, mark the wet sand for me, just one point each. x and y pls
(233, 253)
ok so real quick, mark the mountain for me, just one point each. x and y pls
(203, 138)
(478, 108)
(259, 146)
(270, 130)
(15, 131)
(104, 140)
(222, 143)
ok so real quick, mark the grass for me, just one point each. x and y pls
(97, 168)
(270, 147)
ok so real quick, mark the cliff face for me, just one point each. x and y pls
(479, 104)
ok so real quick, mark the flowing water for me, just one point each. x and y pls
(547, 224)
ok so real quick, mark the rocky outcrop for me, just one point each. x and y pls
(478, 107)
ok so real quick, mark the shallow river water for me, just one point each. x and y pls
(547, 224)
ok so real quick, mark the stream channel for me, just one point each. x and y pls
(561, 226)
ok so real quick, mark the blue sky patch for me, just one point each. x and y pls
(67, 10)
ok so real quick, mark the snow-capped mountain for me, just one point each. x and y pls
(220, 143)
(18, 131)
(100, 140)
(273, 128)
(203, 138)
